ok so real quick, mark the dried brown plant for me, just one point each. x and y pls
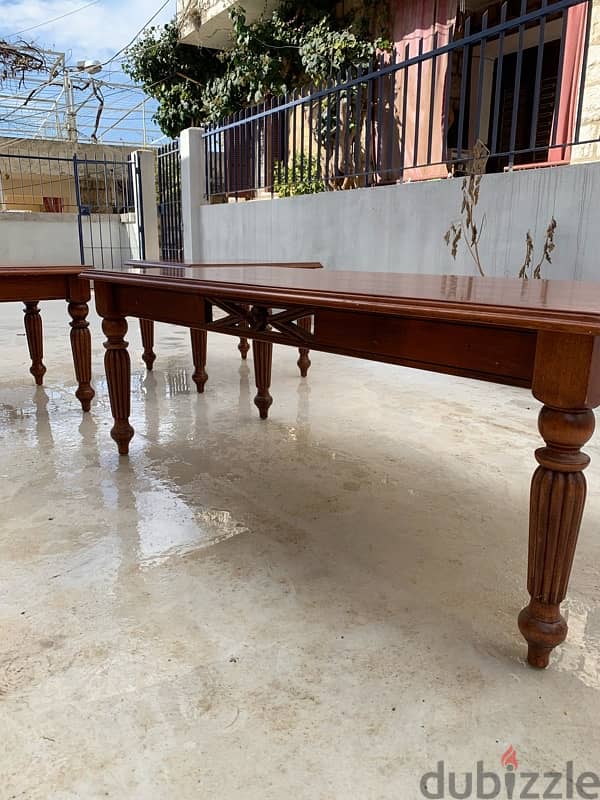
(467, 229)
(470, 232)
(547, 249)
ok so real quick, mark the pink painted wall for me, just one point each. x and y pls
(431, 21)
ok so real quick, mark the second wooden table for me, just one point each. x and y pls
(29, 285)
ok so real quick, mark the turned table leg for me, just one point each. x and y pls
(243, 347)
(35, 342)
(304, 361)
(118, 376)
(147, 332)
(81, 345)
(262, 353)
(566, 379)
(199, 358)
(558, 492)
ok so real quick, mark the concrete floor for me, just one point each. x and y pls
(317, 607)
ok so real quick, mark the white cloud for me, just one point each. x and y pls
(96, 32)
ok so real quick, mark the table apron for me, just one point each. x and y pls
(486, 352)
(176, 308)
(503, 355)
(40, 287)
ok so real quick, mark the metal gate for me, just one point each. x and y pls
(98, 194)
(169, 202)
(109, 232)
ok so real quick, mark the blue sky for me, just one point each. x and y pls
(94, 32)
(97, 31)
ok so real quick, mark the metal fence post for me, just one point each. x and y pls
(78, 201)
(169, 201)
(193, 191)
(144, 192)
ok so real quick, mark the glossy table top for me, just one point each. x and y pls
(570, 306)
(196, 264)
(29, 271)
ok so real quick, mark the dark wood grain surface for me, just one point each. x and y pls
(68, 269)
(539, 305)
(199, 343)
(203, 264)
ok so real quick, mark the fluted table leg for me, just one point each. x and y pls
(35, 341)
(118, 376)
(244, 345)
(304, 361)
(147, 332)
(263, 357)
(200, 376)
(566, 381)
(558, 491)
(81, 345)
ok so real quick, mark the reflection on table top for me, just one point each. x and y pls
(33, 271)
(196, 264)
(570, 306)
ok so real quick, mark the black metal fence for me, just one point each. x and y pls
(48, 183)
(169, 202)
(498, 90)
(99, 191)
(105, 192)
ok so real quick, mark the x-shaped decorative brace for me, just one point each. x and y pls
(282, 325)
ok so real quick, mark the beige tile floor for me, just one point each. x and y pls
(318, 607)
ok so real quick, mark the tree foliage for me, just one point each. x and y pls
(303, 177)
(295, 45)
(173, 74)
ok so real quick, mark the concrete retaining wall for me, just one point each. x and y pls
(46, 238)
(401, 228)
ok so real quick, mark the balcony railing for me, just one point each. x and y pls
(500, 93)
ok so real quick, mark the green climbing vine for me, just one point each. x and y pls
(293, 46)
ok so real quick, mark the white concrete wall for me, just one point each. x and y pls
(36, 238)
(107, 240)
(193, 197)
(400, 228)
(144, 196)
(45, 238)
(128, 228)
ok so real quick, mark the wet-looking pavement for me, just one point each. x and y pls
(322, 605)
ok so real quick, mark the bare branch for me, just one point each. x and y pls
(18, 58)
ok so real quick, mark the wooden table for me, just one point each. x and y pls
(32, 284)
(198, 337)
(539, 334)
